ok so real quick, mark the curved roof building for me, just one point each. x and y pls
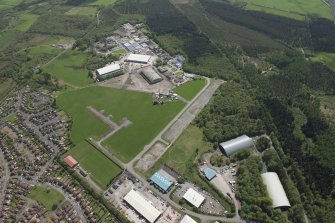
(275, 190)
(234, 145)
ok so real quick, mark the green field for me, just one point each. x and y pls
(26, 20)
(100, 168)
(7, 37)
(70, 68)
(147, 119)
(47, 197)
(190, 89)
(119, 52)
(82, 11)
(44, 49)
(103, 2)
(326, 58)
(295, 9)
(6, 87)
(5, 4)
(181, 155)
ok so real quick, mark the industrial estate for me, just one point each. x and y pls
(141, 112)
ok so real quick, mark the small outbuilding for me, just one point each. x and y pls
(275, 190)
(193, 197)
(209, 173)
(70, 161)
(234, 145)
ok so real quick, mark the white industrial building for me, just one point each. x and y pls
(275, 190)
(142, 206)
(193, 197)
(138, 58)
(187, 219)
(150, 75)
(234, 145)
(109, 71)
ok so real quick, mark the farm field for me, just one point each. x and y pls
(326, 58)
(82, 11)
(70, 68)
(190, 89)
(295, 9)
(147, 119)
(100, 168)
(103, 2)
(26, 20)
(47, 197)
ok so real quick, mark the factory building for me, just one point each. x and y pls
(234, 145)
(275, 190)
(109, 71)
(187, 219)
(138, 58)
(161, 181)
(142, 206)
(193, 197)
(150, 75)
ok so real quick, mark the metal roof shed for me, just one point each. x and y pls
(275, 190)
(142, 206)
(234, 145)
(193, 197)
(209, 173)
(161, 181)
(187, 219)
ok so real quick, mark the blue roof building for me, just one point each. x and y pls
(209, 173)
(161, 181)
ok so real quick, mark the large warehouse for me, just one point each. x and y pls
(234, 145)
(150, 75)
(275, 190)
(138, 58)
(142, 206)
(193, 197)
(109, 71)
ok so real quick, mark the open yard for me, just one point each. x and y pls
(47, 197)
(70, 67)
(190, 89)
(100, 168)
(295, 9)
(147, 119)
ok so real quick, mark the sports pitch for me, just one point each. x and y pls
(147, 119)
(100, 168)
